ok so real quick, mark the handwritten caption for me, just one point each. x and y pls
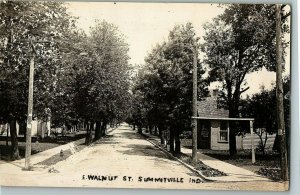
(111, 178)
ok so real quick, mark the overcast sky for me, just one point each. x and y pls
(146, 24)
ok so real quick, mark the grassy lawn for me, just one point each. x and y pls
(204, 169)
(266, 165)
(39, 145)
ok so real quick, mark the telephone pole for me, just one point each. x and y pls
(30, 100)
(194, 119)
(279, 98)
(30, 107)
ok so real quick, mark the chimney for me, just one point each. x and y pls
(213, 93)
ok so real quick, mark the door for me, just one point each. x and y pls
(203, 134)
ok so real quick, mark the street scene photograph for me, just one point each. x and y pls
(190, 96)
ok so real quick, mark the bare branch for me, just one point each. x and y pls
(242, 91)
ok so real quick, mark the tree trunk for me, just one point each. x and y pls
(22, 128)
(140, 129)
(150, 129)
(161, 135)
(172, 137)
(155, 130)
(177, 141)
(98, 130)
(92, 131)
(276, 144)
(88, 134)
(265, 143)
(7, 138)
(233, 113)
(103, 128)
(14, 140)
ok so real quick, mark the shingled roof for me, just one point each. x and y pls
(208, 108)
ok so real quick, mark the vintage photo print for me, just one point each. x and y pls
(145, 95)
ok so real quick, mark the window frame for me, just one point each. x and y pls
(222, 131)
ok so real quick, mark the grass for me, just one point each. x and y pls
(39, 145)
(79, 145)
(36, 147)
(266, 165)
(204, 169)
(207, 171)
(56, 158)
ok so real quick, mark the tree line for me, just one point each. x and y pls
(86, 78)
(163, 87)
(239, 41)
(78, 78)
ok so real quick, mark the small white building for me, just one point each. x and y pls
(39, 129)
(213, 127)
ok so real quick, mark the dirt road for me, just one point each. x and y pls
(123, 159)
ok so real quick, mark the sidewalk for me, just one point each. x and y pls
(234, 173)
(18, 165)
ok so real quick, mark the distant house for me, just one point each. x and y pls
(39, 129)
(213, 127)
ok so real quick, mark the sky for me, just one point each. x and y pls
(146, 24)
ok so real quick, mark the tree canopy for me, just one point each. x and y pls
(238, 42)
(76, 78)
(165, 87)
(22, 24)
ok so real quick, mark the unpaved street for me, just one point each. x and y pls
(123, 159)
(128, 160)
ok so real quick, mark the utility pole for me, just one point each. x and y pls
(30, 107)
(279, 98)
(30, 101)
(194, 119)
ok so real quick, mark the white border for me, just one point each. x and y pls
(295, 136)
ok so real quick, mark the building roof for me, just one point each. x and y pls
(208, 108)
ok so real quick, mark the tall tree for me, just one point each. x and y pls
(167, 83)
(260, 106)
(23, 23)
(238, 42)
(96, 78)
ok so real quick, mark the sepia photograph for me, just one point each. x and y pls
(193, 96)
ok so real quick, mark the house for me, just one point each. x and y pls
(39, 129)
(213, 127)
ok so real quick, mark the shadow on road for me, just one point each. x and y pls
(129, 135)
(144, 150)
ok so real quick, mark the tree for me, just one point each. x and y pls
(96, 78)
(21, 23)
(167, 83)
(260, 106)
(238, 42)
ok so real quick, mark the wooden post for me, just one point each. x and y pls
(252, 142)
(48, 129)
(279, 98)
(29, 113)
(194, 119)
(7, 136)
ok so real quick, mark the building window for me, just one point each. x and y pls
(224, 129)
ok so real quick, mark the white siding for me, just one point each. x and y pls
(215, 133)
